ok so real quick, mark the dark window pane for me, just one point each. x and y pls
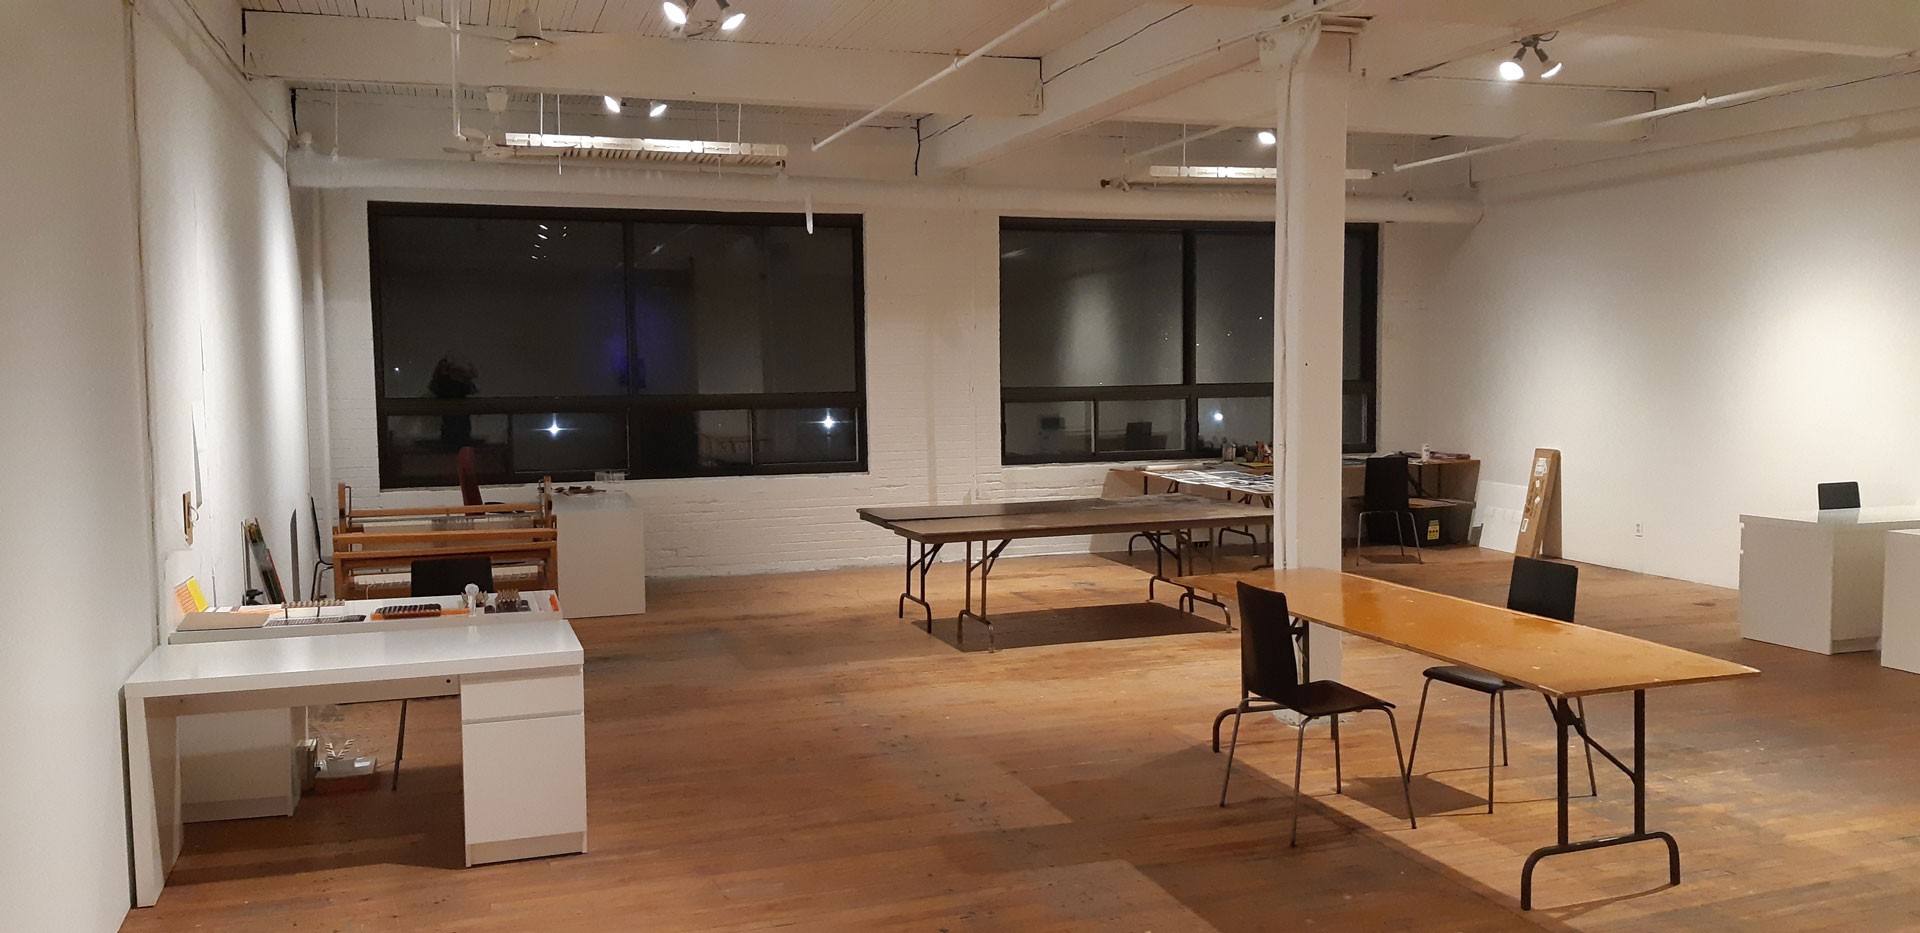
(1358, 286)
(1233, 307)
(737, 309)
(1048, 429)
(725, 438)
(1160, 424)
(807, 435)
(419, 450)
(1356, 419)
(569, 442)
(1090, 308)
(1241, 422)
(475, 307)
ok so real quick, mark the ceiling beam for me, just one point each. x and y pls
(1134, 59)
(1867, 28)
(343, 49)
(1421, 106)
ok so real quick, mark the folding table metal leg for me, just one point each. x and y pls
(985, 566)
(920, 564)
(1564, 719)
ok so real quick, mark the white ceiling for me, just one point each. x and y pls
(944, 26)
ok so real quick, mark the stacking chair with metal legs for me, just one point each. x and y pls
(1539, 587)
(1386, 491)
(1270, 680)
(439, 576)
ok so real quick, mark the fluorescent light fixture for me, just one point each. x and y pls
(676, 14)
(1554, 70)
(729, 19)
(656, 108)
(612, 102)
(1267, 138)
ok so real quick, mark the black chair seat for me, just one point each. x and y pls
(1470, 678)
(1317, 698)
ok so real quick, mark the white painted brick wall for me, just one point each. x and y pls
(933, 431)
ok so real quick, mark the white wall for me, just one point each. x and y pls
(223, 306)
(1698, 341)
(78, 563)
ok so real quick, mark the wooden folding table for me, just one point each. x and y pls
(1562, 660)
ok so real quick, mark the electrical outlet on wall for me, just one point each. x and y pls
(1639, 530)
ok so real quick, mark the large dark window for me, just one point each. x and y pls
(1136, 340)
(565, 342)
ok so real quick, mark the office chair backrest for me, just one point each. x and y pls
(1543, 587)
(463, 469)
(1386, 482)
(1839, 496)
(1267, 664)
(449, 576)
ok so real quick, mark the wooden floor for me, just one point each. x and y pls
(781, 751)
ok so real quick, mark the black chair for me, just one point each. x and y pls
(321, 564)
(1385, 491)
(1839, 496)
(1539, 587)
(440, 576)
(1270, 680)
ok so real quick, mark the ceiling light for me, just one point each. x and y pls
(656, 108)
(1554, 70)
(676, 14)
(612, 102)
(730, 20)
(1510, 70)
(1267, 138)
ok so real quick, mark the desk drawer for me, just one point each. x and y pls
(486, 698)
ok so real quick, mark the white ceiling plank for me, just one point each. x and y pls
(1417, 107)
(1153, 51)
(326, 48)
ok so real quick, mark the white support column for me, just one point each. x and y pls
(1309, 265)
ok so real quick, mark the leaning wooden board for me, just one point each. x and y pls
(1553, 657)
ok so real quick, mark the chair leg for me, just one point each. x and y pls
(1418, 718)
(1234, 745)
(400, 745)
(1414, 524)
(1299, 753)
(1493, 702)
(1406, 784)
(1503, 727)
(1337, 786)
(1580, 708)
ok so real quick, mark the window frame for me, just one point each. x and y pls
(1189, 390)
(631, 402)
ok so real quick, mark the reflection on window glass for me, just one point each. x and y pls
(725, 438)
(1233, 306)
(1241, 422)
(474, 307)
(1049, 429)
(806, 435)
(1159, 424)
(736, 309)
(1090, 308)
(423, 448)
(569, 442)
(1356, 411)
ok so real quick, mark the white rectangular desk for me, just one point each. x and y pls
(244, 765)
(523, 735)
(1814, 580)
(1900, 612)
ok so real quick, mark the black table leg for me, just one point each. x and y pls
(919, 565)
(985, 566)
(1564, 719)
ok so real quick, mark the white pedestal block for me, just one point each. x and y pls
(603, 555)
(1815, 580)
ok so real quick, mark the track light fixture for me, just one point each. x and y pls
(656, 108)
(680, 14)
(675, 11)
(612, 103)
(1515, 68)
(730, 19)
(1267, 138)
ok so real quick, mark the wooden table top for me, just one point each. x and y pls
(1556, 658)
(999, 521)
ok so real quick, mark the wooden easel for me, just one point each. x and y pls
(1540, 518)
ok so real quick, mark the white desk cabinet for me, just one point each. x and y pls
(523, 749)
(1900, 612)
(603, 554)
(1815, 580)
